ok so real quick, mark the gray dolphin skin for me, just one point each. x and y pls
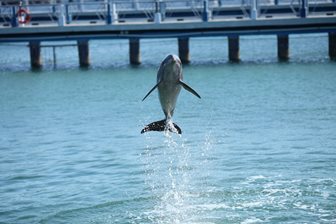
(169, 83)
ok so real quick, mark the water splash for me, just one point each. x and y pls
(169, 175)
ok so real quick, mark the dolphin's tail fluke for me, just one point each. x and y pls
(162, 125)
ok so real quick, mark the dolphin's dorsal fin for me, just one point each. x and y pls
(151, 90)
(188, 88)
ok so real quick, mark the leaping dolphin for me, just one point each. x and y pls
(169, 82)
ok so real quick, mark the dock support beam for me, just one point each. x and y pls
(35, 54)
(183, 49)
(283, 47)
(332, 45)
(134, 51)
(83, 53)
(233, 42)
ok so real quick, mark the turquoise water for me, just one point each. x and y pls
(259, 147)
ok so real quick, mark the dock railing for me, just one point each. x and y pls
(63, 12)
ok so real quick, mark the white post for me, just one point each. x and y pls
(114, 13)
(254, 11)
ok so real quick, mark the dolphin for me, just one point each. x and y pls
(169, 83)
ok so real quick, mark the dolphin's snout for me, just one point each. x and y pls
(174, 59)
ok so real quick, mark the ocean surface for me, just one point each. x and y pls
(259, 147)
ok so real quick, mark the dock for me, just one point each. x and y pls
(83, 21)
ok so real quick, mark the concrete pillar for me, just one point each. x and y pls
(283, 47)
(332, 45)
(83, 53)
(35, 54)
(233, 48)
(134, 51)
(183, 49)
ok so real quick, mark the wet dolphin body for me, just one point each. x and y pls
(169, 82)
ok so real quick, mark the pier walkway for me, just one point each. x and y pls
(134, 20)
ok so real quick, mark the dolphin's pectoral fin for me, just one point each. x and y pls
(151, 90)
(162, 126)
(155, 126)
(188, 88)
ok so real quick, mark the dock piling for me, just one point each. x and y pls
(35, 54)
(134, 51)
(183, 49)
(332, 45)
(83, 53)
(283, 47)
(233, 42)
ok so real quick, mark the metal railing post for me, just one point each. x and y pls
(67, 14)
(112, 16)
(254, 11)
(61, 16)
(163, 10)
(157, 15)
(109, 15)
(304, 9)
(205, 14)
(14, 21)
